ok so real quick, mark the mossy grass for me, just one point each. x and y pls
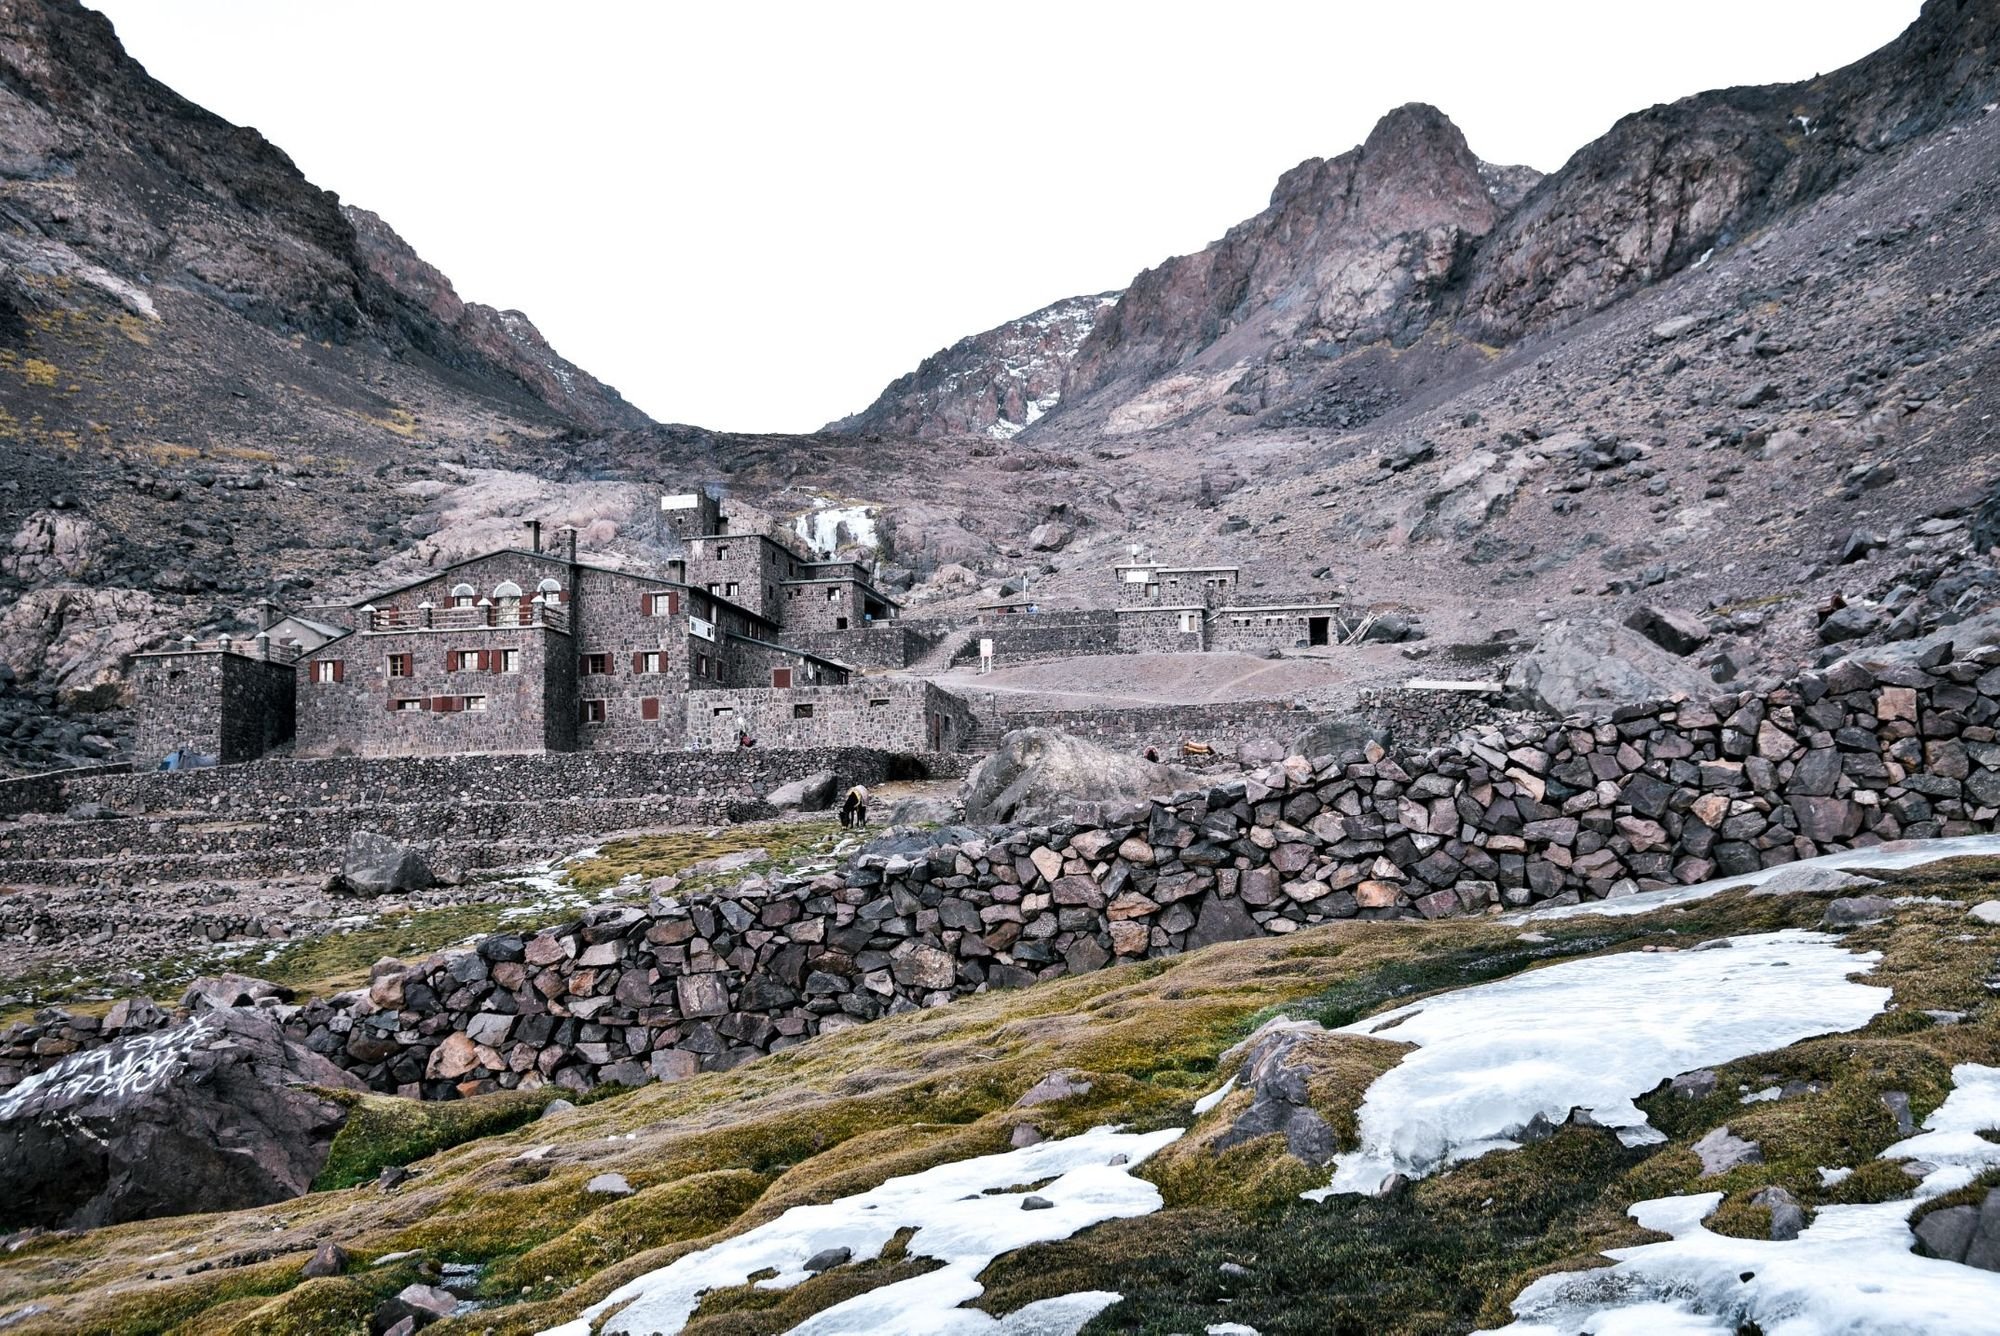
(644, 857)
(383, 1130)
(722, 1152)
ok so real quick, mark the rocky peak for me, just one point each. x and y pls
(992, 384)
(1351, 249)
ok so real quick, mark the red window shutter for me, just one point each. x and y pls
(638, 664)
(340, 670)
(649, 707)
(645, 605)
(673, 604)
(781, 677)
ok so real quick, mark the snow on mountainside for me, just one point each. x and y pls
(996, 384)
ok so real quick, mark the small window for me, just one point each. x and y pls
(326, 670)
(877, 702)
(721, 551)
(510, 660)
(463, 596)
(409, 706)
(473, 704)
(653, 662)
(724, 711)
(596, 665)
(781, 678)
(701, 665)
(802, 711)
(833, 594)
(729, 590)
(465, 661)
(593, 711)
(402, 665)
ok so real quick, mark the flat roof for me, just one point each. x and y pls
(1283, 607)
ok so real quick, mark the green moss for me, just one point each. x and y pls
(648, 856)
(746, 1310)
(384, 1130)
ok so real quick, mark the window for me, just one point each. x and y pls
(328, 670)
(833, 594)
(781, 678)
(724, 711)
(649, 707)
(402, 665)
(473, 704)
(660, 605)
(596, 665)
(729, 590)
(802, 711)
(510, 660)
(465, 661)
(1187, 622)
(463, 596)
(593, 711)
(652, 662)
(409, 706)
(877, 702)
(701, 665)
(721, 551)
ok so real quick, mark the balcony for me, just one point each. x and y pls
(484, 616)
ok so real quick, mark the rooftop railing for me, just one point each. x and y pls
(481, 616)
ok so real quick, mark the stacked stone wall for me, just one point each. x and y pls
(360, 781)
(892, 644)
(1223, 725)
(1526, 814)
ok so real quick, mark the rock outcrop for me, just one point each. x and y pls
(216, 1113)
(992, 384)
(1040, 770)
(1582, 665)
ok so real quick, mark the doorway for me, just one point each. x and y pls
(1316, 630)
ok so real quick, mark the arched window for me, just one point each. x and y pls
(463, 595)
(551, 590)
(507, 598)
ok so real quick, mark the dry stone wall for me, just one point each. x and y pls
(1525, 814)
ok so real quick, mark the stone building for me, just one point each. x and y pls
(531, 649)
(217, 703)
(901, 715)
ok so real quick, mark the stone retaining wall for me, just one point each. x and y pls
(1225, 725)
(1525, 814)
(343, 781)
(1030, 636)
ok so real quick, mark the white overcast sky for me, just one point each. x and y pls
(754, 215)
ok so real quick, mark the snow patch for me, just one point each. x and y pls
(1214, 1097)
(1588, 1035)
(1850, 1270)
(961, 1219)
(827, 526)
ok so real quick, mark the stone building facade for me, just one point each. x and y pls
(900, 716)
(522, 650)
(224, 702)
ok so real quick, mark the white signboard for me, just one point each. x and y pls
(687, 501)
(706, 630)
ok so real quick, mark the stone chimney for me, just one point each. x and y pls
(566, 543)
(267, 614)
(534, 528)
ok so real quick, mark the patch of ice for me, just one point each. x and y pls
(957, 1223)
(1828, 1177)
(1764, 1096)
(1893, 854)
(825, 525)
(1591, 1035)
(1214, 1097)
(1850, 1271)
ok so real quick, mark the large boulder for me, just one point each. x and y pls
(1042, 770)
(377, 865)
(1590, 665)
(1338, 737)
(217, 1113)
(814, 793)
(1671, 629)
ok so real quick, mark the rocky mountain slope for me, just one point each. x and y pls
(992, 384)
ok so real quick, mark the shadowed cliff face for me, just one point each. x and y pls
(1669, 184)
